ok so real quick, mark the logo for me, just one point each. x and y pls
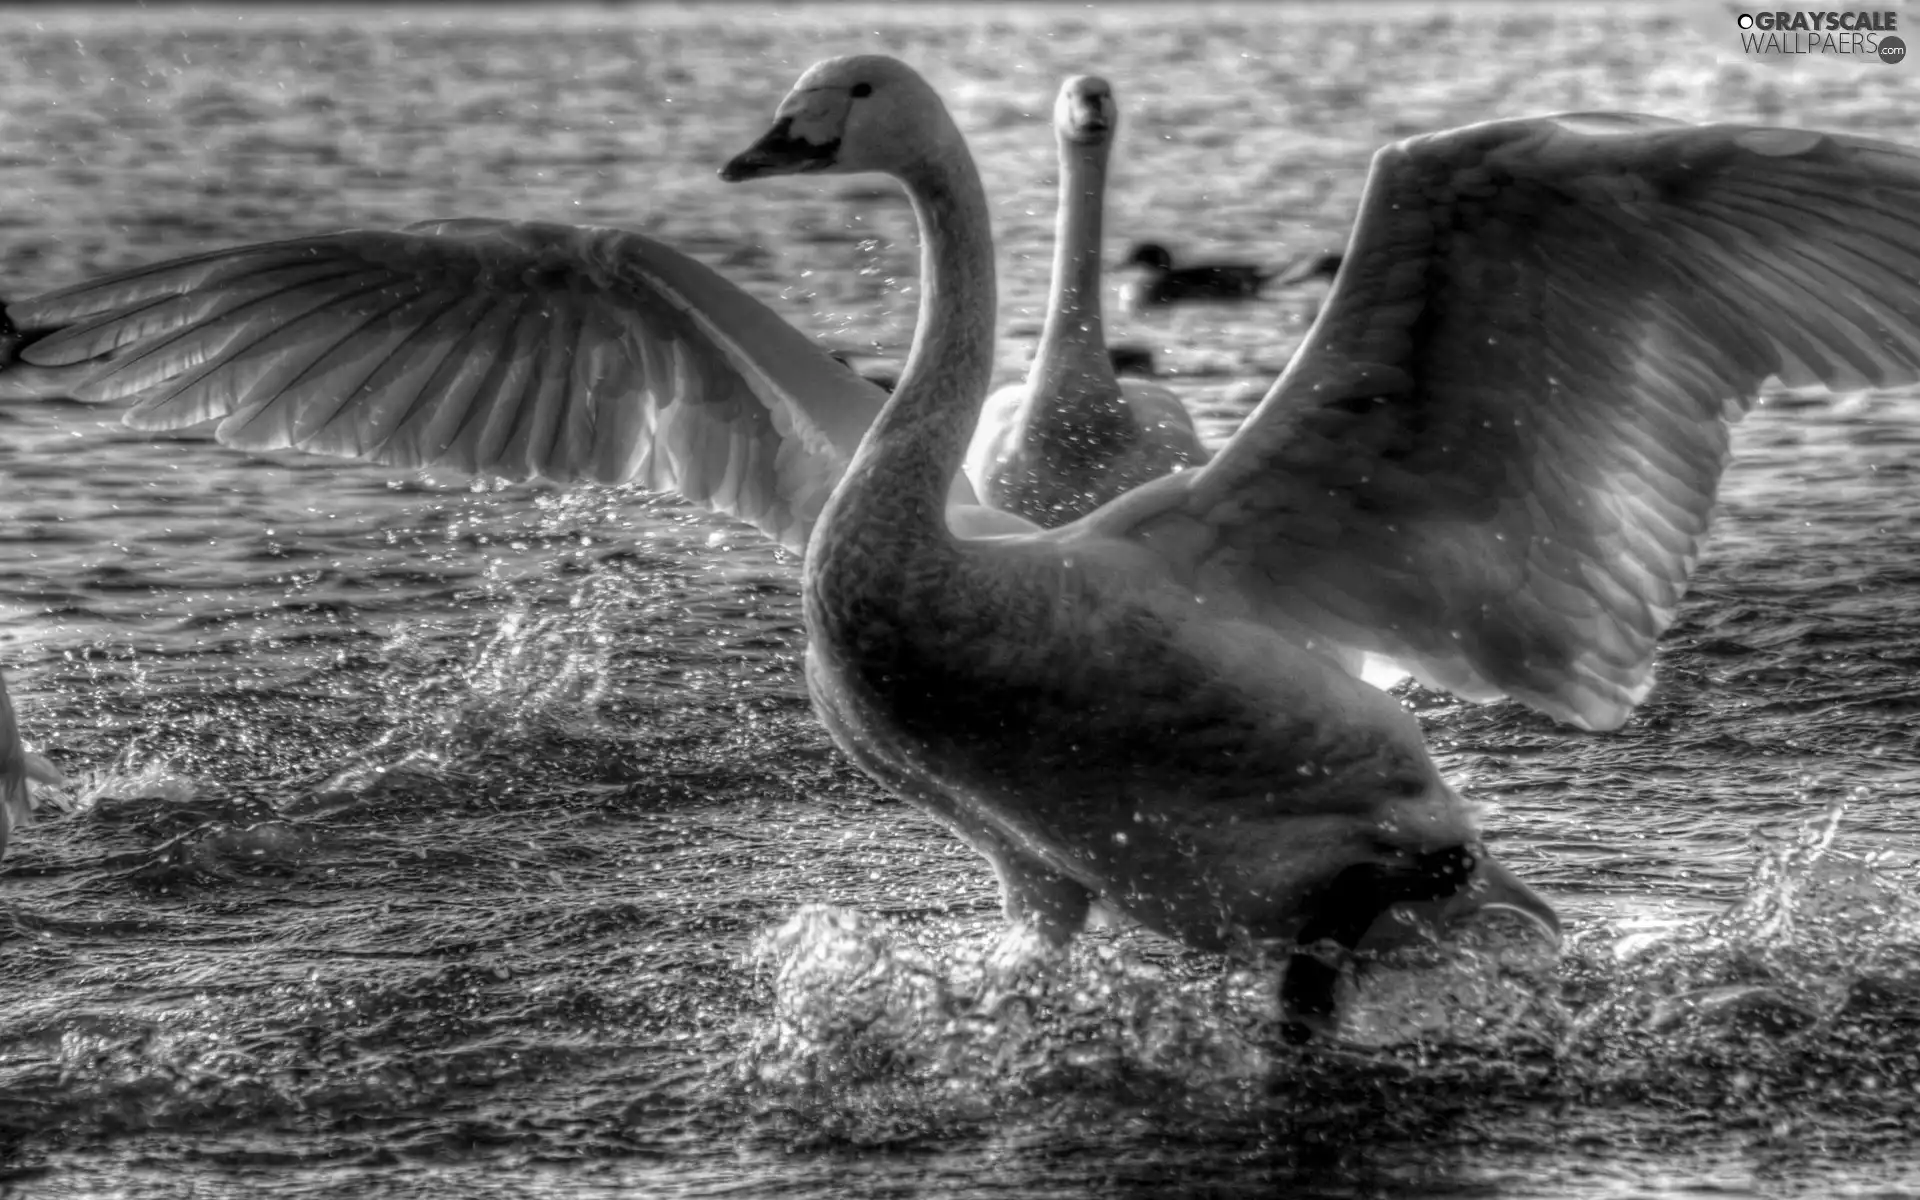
(1861, 35)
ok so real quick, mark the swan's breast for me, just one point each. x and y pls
(1200, 773)
(1015, 675)
(1055, 453)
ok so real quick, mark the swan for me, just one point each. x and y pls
(19, 769)
(1072, 436)
(1491, 462)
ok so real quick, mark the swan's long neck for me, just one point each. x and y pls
(1073, 347)
(892, 502)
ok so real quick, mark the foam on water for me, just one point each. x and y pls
(882, 1031)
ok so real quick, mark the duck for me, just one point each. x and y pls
(19, 770)
(1492, 462)
(1160, 283)
(1073, 435)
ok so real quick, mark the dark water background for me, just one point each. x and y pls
(429, 840)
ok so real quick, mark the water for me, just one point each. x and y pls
(444, 841)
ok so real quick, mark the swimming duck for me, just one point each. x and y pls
(1161, 283)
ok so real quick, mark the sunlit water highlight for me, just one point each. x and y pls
(446, 841)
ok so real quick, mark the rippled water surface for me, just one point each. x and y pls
(449, 841)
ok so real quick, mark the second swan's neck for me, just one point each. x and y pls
(1073, 347)
(892, 502)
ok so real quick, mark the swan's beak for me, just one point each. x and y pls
(1091, 126)
(1085, 113)
(1491, 890)
(1496, 889)
(1476, 888)
(779, 152)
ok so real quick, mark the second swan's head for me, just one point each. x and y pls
(1085, 114)
(865, 112)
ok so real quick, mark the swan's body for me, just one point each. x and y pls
(1072, 435)
(1492, 462)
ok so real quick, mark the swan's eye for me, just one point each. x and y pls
(860, 90)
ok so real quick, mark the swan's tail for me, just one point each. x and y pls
(21, 380)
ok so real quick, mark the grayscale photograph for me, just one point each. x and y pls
(981, 601)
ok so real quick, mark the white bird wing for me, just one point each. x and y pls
(501, 348)
(1494, 458)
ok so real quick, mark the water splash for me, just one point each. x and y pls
(857, 999)
(1782, 1015)
(1821, 931)
(1493, 983)
(538, 666)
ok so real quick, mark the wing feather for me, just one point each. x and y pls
(529, 449)
(393, 394)
(300, 391)
(237, 358)
(1494, 459)
(487, 420)
(512, 349)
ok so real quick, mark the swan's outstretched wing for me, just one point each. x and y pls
(1494, 458)
(506, 349)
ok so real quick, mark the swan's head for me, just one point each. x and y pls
(1151, 256)
(1085, 114)
(866, 112)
